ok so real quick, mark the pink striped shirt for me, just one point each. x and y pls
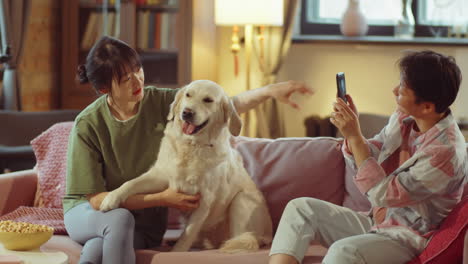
(417, 177)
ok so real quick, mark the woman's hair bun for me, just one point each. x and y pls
(81, 74)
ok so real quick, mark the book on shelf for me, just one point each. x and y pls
(97, 2)
(137, 2)
(151, 29)
(165, 30)
(156, 30)
(91, 31)
(94, 28)
(157, 2)
(143, 29)
(110, 29)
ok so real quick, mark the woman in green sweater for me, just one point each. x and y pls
(117, 138)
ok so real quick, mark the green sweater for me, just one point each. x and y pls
(104, 152)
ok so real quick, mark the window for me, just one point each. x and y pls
(444, 17)
(433, 17)
(444, 12)
(380, 12)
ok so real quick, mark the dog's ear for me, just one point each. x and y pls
(175, 103)
(231, 116)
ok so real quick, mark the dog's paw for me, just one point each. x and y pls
(111, 201)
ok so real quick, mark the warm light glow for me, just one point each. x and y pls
(254, 12)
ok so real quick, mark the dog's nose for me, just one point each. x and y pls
(187, 114)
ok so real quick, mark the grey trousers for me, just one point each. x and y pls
(342, 230)
(108, 238)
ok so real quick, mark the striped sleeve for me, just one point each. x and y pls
(430, 175)
(375, 144)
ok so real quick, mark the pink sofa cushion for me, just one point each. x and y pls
(160, 255)
(314, 255)
(52, 217)
(50, 149)
(289, 168)
(446, 245)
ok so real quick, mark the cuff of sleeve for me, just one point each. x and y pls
(369, 174)
(347, 152)
(345, 148)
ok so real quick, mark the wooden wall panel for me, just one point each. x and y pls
(40, 65)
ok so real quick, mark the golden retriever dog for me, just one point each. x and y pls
(196, 157)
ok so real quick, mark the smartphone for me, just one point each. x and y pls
(341, 86)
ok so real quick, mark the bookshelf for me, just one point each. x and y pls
(160, 31)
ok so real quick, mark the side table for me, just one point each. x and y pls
(36, 256)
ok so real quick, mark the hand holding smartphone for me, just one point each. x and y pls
(341, 86)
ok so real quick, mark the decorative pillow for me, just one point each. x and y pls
(50, 149)
(43, 216)
(446, 245)
(288, 168)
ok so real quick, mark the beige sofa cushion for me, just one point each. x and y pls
(72, 249)
(314, 255)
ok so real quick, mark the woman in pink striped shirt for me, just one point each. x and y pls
(412, 173)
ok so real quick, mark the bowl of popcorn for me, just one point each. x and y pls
(23, 236)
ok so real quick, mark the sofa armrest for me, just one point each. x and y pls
(17, 189)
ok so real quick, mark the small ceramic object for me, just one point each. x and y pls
(353, 22)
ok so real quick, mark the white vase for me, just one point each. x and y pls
(353, 22)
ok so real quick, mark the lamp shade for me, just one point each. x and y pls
(243, 12)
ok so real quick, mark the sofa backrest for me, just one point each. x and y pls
(289, 168)
(371, 124)
(18, 129)
(283, 169)
(24, 126)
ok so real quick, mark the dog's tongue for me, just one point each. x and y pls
(188, 128)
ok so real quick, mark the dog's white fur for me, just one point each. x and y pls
(232, 210)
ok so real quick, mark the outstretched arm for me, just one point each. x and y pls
(167, 198)
(280, 91)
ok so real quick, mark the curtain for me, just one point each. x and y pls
(270, 56)
(13, 24)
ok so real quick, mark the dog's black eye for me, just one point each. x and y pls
(207, 100)
(187, 94)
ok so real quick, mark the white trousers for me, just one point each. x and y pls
(342, 230)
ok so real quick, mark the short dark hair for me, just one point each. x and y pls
(109, 58)
(433, 77)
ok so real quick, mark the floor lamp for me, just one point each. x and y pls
(248, 13)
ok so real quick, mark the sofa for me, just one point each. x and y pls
(283, 169)
(18, 129)
(317, 126)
